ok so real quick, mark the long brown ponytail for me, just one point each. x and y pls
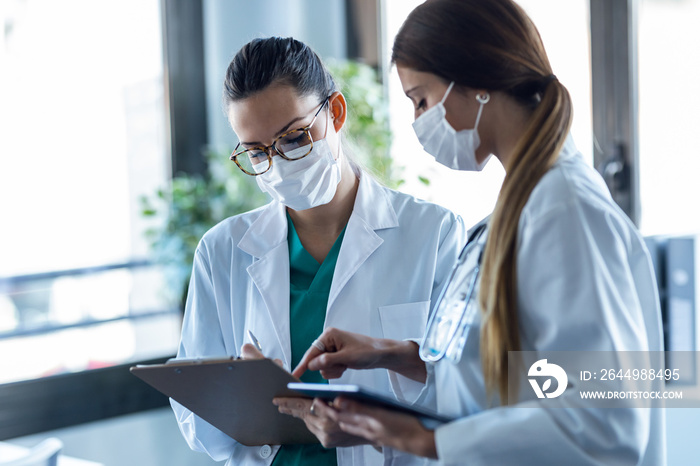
(494, 45)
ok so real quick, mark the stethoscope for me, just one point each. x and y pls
(455, 310)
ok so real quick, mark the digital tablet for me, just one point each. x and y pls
(331, 391)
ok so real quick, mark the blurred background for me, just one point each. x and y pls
(114, 161)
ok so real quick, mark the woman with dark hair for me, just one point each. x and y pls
(333, 248)
(557, 266)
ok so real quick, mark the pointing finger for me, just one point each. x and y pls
(311, 353)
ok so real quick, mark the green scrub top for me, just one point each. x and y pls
(309, 287)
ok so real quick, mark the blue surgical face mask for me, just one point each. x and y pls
(453, 149)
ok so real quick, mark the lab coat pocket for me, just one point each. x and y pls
(404, 321)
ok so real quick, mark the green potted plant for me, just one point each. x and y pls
(366, 129)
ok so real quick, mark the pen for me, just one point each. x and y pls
(255, 341)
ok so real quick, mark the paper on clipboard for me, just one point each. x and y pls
(233, 395)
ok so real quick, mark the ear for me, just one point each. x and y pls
(339, 110)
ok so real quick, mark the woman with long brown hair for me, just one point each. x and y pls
(557, 266)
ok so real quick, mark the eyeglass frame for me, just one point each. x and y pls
(266, 149)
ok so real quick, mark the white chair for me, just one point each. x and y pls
(44, 454)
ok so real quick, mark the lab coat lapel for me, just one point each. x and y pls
(372, 211)
(266, 240)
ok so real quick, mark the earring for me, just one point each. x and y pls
(482, 99)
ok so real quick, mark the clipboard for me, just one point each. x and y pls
(356, 392)
(233, 395)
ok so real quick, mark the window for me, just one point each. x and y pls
(669, 73)
(564, 27)
(82, 115)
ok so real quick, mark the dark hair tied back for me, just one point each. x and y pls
(530, 92)
(276, 60)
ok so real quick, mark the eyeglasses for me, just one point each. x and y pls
(455, 312)
(292, 145)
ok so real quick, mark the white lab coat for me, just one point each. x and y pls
(585, 282)
(395, 256)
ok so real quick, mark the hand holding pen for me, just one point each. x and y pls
(254, 350)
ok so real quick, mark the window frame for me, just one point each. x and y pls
(39, 405)
(48, 403)
(615, 99)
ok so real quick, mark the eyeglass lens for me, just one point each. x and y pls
(293, 146)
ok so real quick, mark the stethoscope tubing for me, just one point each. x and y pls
(471, 242)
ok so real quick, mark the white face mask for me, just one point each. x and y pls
(453, 149)
(304, 183)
